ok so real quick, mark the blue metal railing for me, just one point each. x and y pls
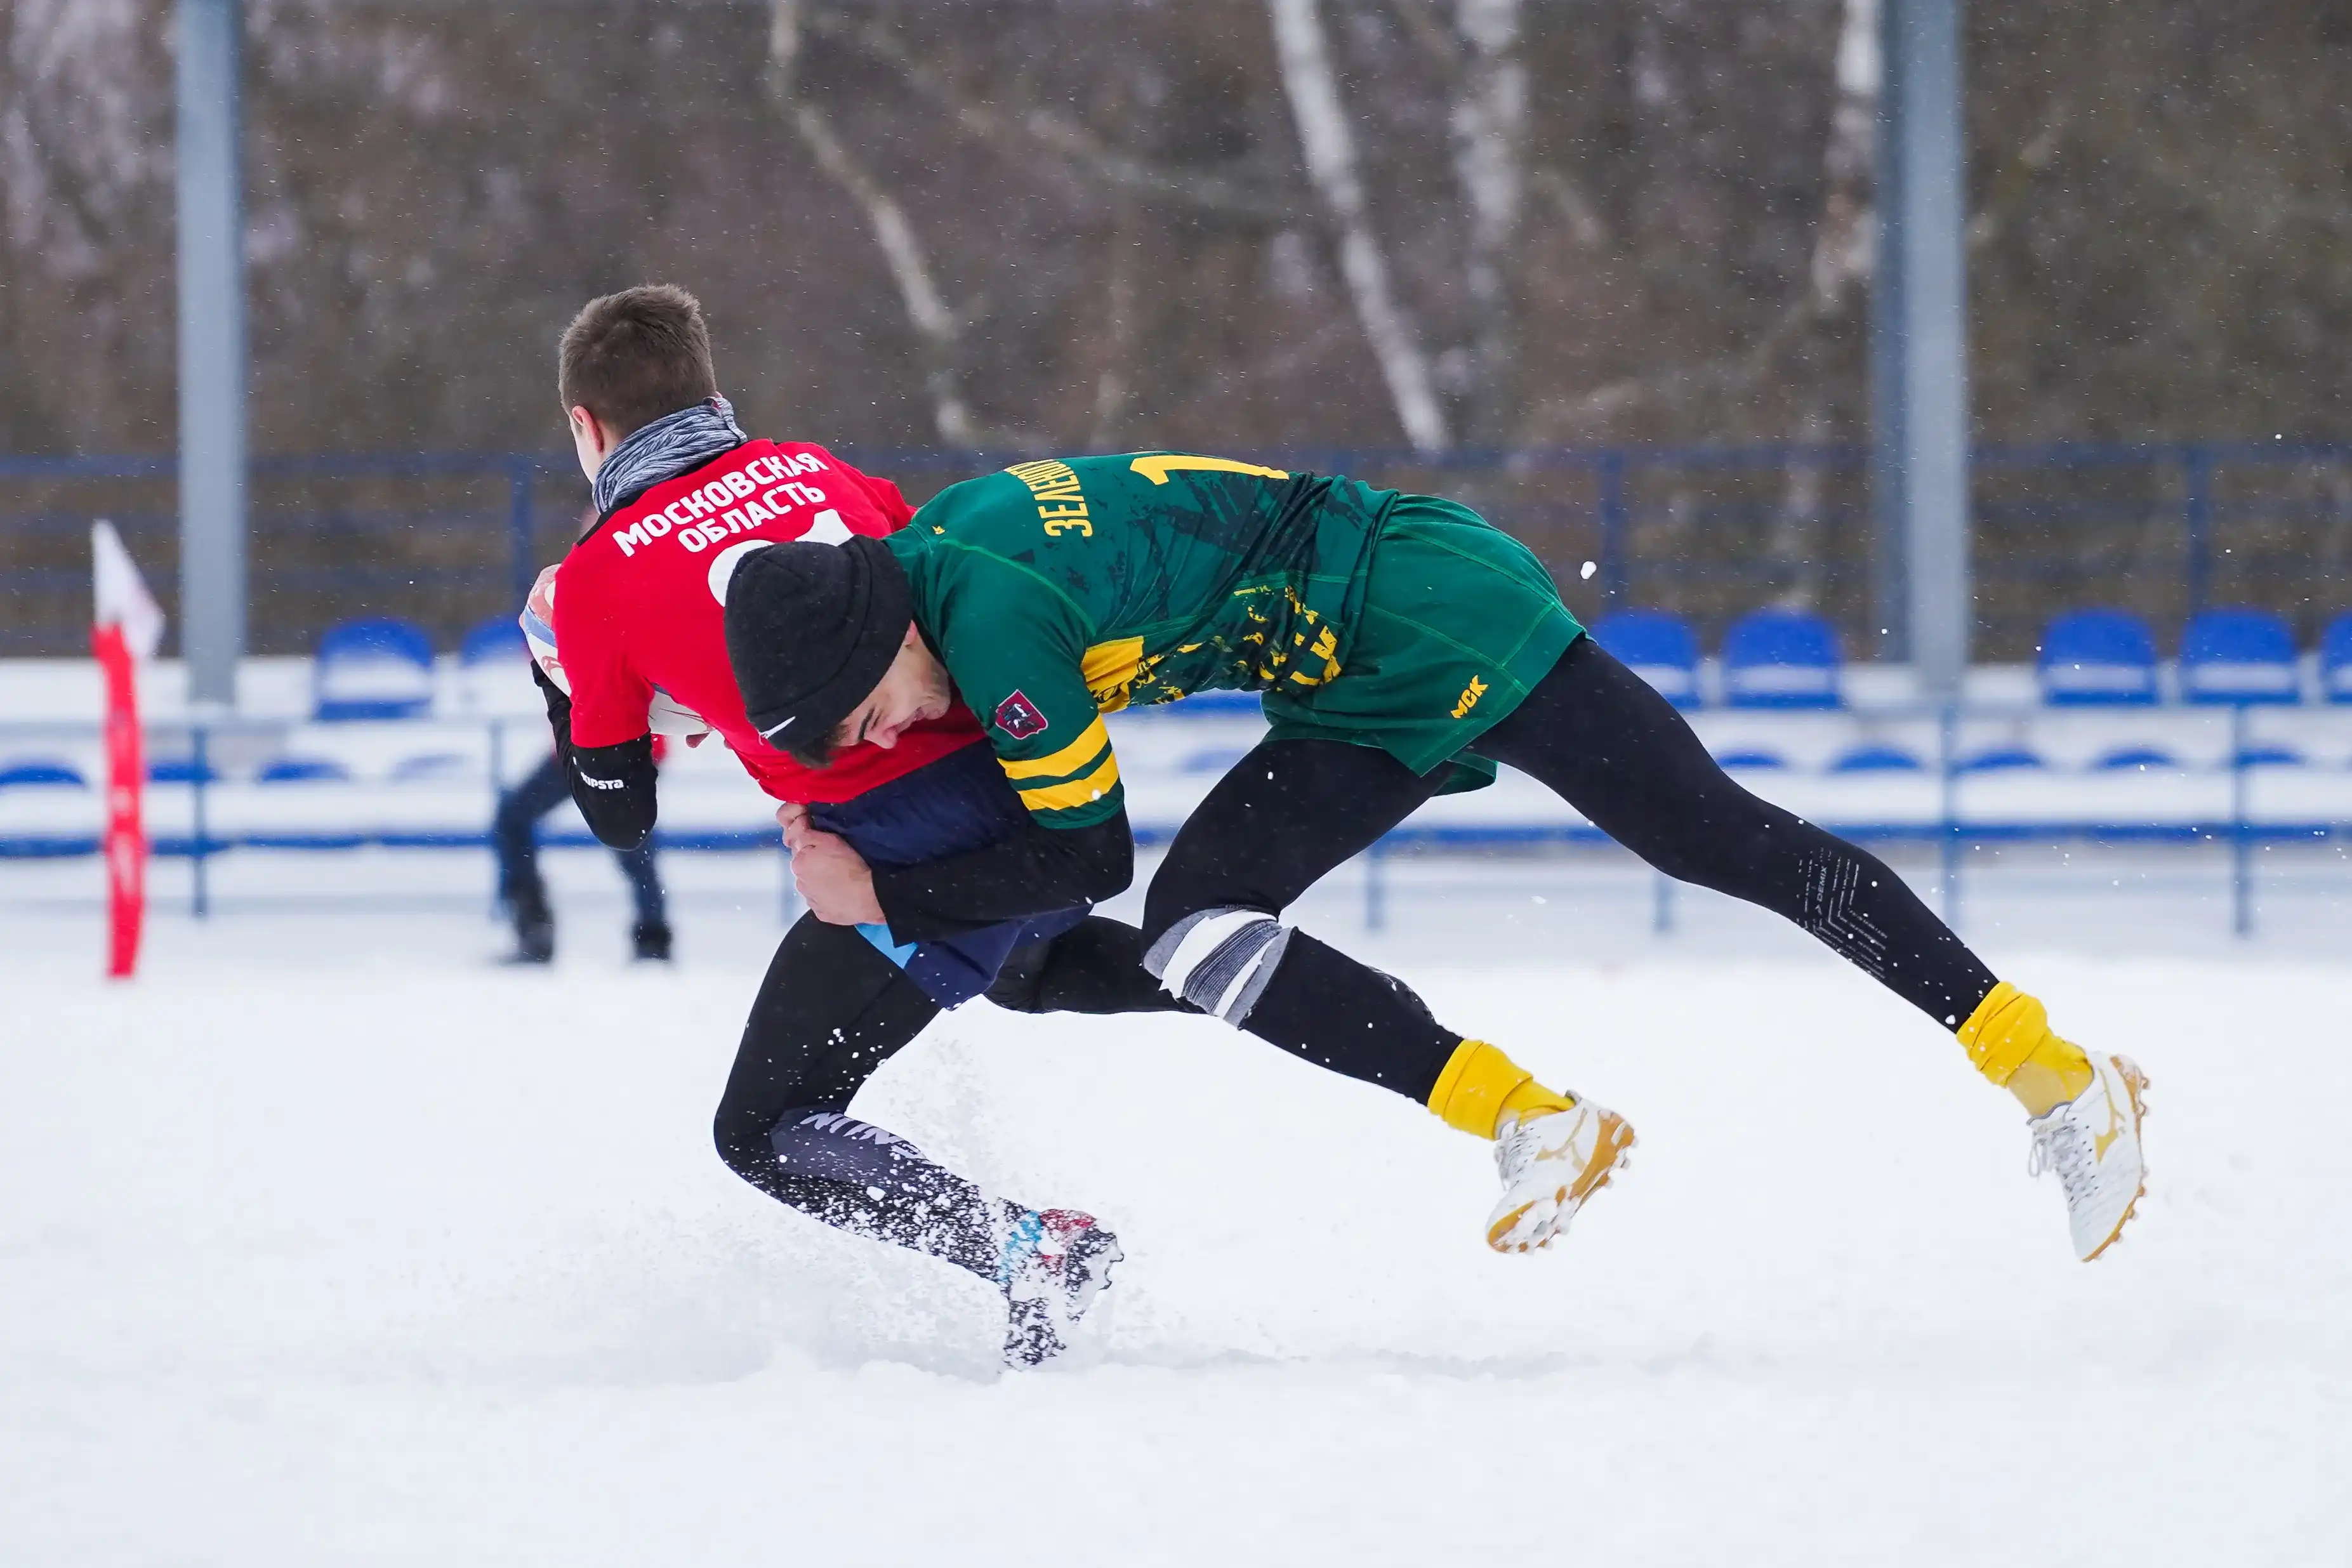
(505, 570)
(1951, 831)
(2165, 528)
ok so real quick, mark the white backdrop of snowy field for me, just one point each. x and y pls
(326, 1243)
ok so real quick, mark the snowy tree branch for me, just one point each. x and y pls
(1845, 245)
(934, 324)
(1022, 135)
(1328, 144)
(1489, 124)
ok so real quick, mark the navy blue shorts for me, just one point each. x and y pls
(960, 803)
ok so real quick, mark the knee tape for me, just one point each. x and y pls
(1219, 959)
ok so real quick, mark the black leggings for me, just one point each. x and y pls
(830, 1011)
(1602, 739)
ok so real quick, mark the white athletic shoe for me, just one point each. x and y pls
(1550, 1164)
(1056, 1261)
(2093, 1143)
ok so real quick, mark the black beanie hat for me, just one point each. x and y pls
(811, 630)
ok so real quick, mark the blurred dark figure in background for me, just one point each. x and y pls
(514, 834)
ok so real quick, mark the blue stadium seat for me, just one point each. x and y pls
(493, 669)
(2270, 754)
(1751, 758)
(1877, 760)
(2000, 759)
(181, 770)
(2238, 656)
(2134, 760)
(2335, 659)
(303, 771)
(499, 637)
(380, 667)
(2097, 657)
(1656, 645)
(431, 764)
(41, 773)
(1780, 658)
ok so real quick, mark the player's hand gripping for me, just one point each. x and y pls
(832, 878)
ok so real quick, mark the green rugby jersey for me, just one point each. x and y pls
(1063, 589)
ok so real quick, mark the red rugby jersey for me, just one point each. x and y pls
(635, 607)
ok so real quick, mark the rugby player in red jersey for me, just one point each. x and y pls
(628, 636)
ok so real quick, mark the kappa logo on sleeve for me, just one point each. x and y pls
(1017, 717)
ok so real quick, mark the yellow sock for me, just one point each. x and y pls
(2010, 1041)
(1480, 1085)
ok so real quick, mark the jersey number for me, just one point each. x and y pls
(1156, 469)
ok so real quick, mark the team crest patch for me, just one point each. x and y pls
(1017, 717)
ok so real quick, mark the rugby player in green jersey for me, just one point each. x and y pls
(1404, 647)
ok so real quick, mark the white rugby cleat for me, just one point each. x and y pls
(1056, 1261)
(2093, 1143)
(1550, 1163)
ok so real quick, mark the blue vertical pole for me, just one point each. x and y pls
(1919, 343)
(1890, 593)
(520, 471)
(1376, 910)
(2197, 517)
(212, 350)
(1610, 478)
(1661, 904)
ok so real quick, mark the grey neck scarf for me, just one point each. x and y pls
(673, 445)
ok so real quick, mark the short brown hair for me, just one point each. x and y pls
(632, 357)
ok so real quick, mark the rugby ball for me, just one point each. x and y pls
(664, 716)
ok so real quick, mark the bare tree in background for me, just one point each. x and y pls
(1489, 121)
(1845, 249)
(933, 323)
(73, 133)
(1033, 131)
(1490, 125)
(1095, 224)
(1329, 143)
(80, 154)
(1115, 380)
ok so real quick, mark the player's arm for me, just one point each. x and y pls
(1017, 658)
(1073, 846)
(883, 493)
(885, 496)
(607, 759)
(1036, 870)
(613, 785)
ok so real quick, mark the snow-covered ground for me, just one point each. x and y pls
(324, 1243)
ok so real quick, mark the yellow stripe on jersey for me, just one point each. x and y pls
(1076, 792)
(1079, 753)
(1156, 469)
(1108, 669)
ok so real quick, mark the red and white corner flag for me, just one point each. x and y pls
(126, 629)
